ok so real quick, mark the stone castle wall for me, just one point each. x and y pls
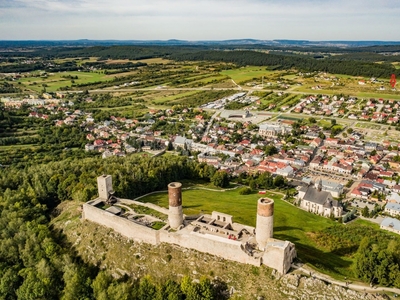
(125, 227)
(218, 246)
(278, 257)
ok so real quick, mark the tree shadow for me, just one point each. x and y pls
(329, 261)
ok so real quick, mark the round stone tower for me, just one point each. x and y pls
(265, 221)
(175, 215)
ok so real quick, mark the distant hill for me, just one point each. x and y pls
(175, 42)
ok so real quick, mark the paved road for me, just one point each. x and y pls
(238, 88)
(210, 123)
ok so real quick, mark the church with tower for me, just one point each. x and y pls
(314, 200)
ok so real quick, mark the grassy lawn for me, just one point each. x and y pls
(290, 223)
(147, 211)
(324, 123)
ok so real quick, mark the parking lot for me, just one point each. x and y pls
(316, 175)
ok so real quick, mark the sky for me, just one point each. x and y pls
(200, 19)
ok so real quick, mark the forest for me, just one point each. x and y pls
(37, 263)
(285, 62)
(360, 61)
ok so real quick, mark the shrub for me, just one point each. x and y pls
(245, 191)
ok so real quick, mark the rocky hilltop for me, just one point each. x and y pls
(107, 249)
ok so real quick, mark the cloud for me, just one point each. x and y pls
(208, 7)
(194, 19)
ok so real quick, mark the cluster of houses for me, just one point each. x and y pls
(376, 110)
(114, 137)
(32, 100)
(240, 146)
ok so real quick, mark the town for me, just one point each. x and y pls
(335, 167)
(246, 174)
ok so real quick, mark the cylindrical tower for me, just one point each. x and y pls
(265, 221)
(175, 215)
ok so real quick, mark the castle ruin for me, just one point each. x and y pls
(215, 234)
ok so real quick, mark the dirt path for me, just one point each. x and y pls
(353, 286)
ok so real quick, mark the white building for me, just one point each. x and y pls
(336, 189)
(391, 224)
(319, 202)
(270, 130)
(393, 209)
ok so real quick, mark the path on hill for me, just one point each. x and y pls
(238, 86)
(149, 205)
(353, 286)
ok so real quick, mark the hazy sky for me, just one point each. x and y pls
(200, 19)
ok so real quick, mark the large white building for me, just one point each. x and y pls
(317, 201)
(271, 130)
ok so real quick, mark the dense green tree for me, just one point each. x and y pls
(100, 285)
(147, 290)
(279, 181)
(220, 179)
(365, 212)
(77, 283)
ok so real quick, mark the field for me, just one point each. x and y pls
(54, 81)
(248, 73)
(368, 126)
(290, 223)
(377, 132)
(348, 86)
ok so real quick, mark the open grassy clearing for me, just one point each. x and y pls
(357, 92)
(247, 73)
(205, 81)
(379, 95)
(290, 223)
(175, 95)
(324, 123)
(154, 61)
(54, 81)
(368, 126)
(291, 77)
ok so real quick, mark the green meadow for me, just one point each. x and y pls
(244, 74)
(54, 81)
